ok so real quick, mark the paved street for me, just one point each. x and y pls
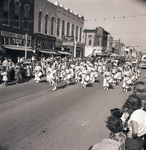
(70, 118)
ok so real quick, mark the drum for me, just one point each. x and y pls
(68, 77)
(129, 81)
(95, 74)
(109, 79)
(133, 78)
(87, 78)
(40, 74)
(116, 76)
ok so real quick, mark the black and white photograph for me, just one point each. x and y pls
(72, 74)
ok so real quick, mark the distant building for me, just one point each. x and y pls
(95, 40)
(109, 43)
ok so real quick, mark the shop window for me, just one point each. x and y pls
(63, 27)
(77, 33)
(17, 13)
(40, 21)
(58, 26)
(68, 29)
(26, 16)
(46, 24)
(52, 26)
(72, 31)
(6, 12)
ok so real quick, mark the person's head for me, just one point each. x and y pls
(116, 112)
(140, 90)
(114, 124)
(133, 102)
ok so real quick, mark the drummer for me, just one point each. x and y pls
(106, 77)
(38, 73)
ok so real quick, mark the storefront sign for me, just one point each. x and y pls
(14, 35)
(69, 38)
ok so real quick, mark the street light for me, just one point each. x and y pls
(26, 35)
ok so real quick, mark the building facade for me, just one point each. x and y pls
(95, 40)
(69, 31)
(16, 27)
(44, 27)
(109, 43)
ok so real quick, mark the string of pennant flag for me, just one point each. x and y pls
(121, 17)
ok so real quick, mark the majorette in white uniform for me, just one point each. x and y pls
(107, 79)
(38, 73)
(126, 81)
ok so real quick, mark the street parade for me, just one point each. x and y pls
(72, 75)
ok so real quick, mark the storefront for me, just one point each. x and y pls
(44, 44)
(15, 45)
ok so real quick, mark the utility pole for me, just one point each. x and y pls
(75, 48)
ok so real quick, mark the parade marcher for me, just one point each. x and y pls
(38, 73)
(107, 79)
(126, 81)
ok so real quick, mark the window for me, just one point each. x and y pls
(40, 22)
(68, 29)
(26, 16)
(80, 34)
(77, 33)
(90, 41)
(58, 26)
(6, 12)
(46, 24)
(63, 27)
(52, 26)
(17, 13)
(72, 31)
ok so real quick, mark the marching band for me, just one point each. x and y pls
(87, 71)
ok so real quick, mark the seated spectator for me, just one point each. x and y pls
(136, 125)
(116, 139)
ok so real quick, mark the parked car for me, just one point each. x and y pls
(143, 62)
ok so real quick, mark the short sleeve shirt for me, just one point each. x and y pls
(138, 116)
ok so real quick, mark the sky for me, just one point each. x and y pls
(123, 19)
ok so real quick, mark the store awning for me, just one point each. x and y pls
(64, 53)
(19, 48)
(48, 51)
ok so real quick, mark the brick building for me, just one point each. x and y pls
(16, 26)
(95, 40)
(69, 31)
(44, 27)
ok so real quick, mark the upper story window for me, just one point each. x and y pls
(6, 12)
(68, 29)
(80, 34)
(90, 41)
(63, 27)
(17, 13)
(26, 16)
(46, 24)
(77, 28)
(58, 27)
(72, 31)
(52, 26)
(40, 21)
